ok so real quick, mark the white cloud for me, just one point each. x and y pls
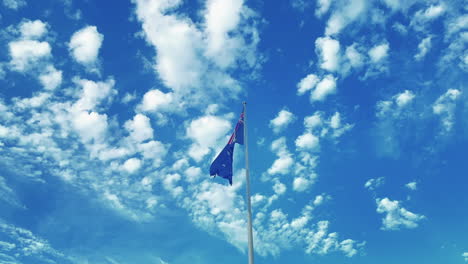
(14, 4)
(282, 120)
(372, 184)
(324, 88)
(412, 186)
(313, 121)
(465, 256)
(27, 53)
(221, 18)
(404, 98)
(455, 53)
(444, 107)
(393, 4)
(391, 113)
(155, 100)
(421, 18)
(6, 192)
(193, 174)
(379, 53)
(51, 78)
(91, 126)
(284, 162)
(434, 11)
(345, 14)
(328, 50)
(300, 184)
(35, 101)
(205, 132)
(84, 45)
(192, 55)
(337, 127)
(423, 48)
(308, 141)
(281, 165)
(307, 83)
(400, 28)
(319, 199)
(279, 188)
(33, 29)
(355, 58)
(93, 93)
(170, 182)
(456, 25)
(132, 165)
(154, 150)
(322, 7)
(396, 105)
(128, 97)
(396, 216)
(139, 128)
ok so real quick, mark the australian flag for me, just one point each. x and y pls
(222, 165)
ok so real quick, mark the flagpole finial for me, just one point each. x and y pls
(244, 102)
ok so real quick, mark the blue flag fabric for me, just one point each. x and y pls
(222, 165)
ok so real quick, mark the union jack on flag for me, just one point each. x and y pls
(222, 165)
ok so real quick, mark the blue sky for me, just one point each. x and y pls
(112, 111)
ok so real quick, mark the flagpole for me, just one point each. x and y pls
(247, 180)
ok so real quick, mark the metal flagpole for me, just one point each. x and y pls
(247, 180)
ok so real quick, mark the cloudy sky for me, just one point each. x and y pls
(112, 111)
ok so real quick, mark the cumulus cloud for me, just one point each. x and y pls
(324, 88)
(279, 188)
(131, 165)
(444, 107)
(345, 14)
(313, 121)
(396, 105)
(390, 113)
(93, 94)
(307, 141)
(355, 58)
(404, 98)
(423, 48)
(51, 78)
(139, 128)
(284, 162)
(328, 49)
(379, 53)
(26, 54)
(205, 133)
(301, 184)
(155, 100)
(91, 126)
(307, 84)
(192, 55)
(412, 186)
(282, 120)
(465, 256)
(337, 126)
(33, 29)
(14, 4)
(396, 216)
(422, 17)
(322, 7)
(84, 45)
(372, 184)
(221, 18)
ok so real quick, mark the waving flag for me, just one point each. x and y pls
(222, 165)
